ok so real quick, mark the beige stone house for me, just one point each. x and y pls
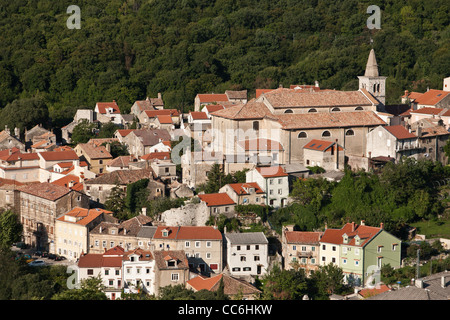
(72, 230)
(244, 193)
(139, 142)
(40, 205)
(202, 245)
(98, 189)
(107, 235)
(300, 249)
(148, 104)
(218, 203)
(326, 154)
(96, 156)
(22, 167)
(171, 268)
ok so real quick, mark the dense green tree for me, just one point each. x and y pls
(83, 132)
(10, 229)
(90, 289)
(280, 284)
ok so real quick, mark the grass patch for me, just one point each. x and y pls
(433, 228)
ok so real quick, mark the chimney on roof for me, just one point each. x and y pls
(159, 95)
(353, 226)
(443, 282)
(363, 223)
(316, 84)
(382, 225)
(100, 229)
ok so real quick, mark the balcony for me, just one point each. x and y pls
(304, 254)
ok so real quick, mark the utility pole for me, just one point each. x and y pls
(417, 266)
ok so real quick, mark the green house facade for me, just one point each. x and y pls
(359, 250)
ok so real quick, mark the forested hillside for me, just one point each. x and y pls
(127, 50)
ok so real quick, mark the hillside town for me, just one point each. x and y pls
(69, 195)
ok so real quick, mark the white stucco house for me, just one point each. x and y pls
(274, 181)
(247, 253)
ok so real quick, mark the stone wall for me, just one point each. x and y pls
(192, 214)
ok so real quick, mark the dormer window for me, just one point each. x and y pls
(345, 238)
(357, 240)
(165, 233)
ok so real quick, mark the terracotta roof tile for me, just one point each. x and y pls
(242, 188)
(164, 119)
(306, 237)
(329, 120)
(274, 171)
(198, 115)
(291, 98)
(216, 199)
(45, 190)
(431, 97)
(102, 106)
(400, 132)
(59, 155)
(213, 97)
(365, 233)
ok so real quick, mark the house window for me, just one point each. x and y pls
(256, 258)
(197, 244)
(243, 258)
(256, 125)
(236, 269)
(90, 272)
(256, 246)
(326, 133)
(312, 110)
(175, 276)
(333, 248)
(302, 135)
(294, 247)
(394, 247)
(288, 111)
(208, 255)
(324, 247)
(247, 269)
(335, 110)
(187, 244)
(344, 261)
(359, 108)
(379, 248)
(208, 244)
(350, 132)
(356, 262)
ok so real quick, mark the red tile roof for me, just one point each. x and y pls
(156, 155)
(102, 106)
(83, 216)
(290, 98)
(431, 97)
(303, 237)
(214, 107)
(428, 110)
(269, 172)
(367, 293)
(59, 155)
(164, 119)
(199, 115)
(352, 230)
(400, 132)
(22, 156)
(213, 97)
(65, 182)
(162, 112)
(320, 145)
(124, 132)
(216, 199)
(204, 283)
(45, 190)
(242, 188)
(111, 258)
(328, 120)
(198, 233)
(261, 91)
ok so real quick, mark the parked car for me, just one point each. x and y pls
(37, 263)
(51, 256)
(38, 253)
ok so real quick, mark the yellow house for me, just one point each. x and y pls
(96, 156)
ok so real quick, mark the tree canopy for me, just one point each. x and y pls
(128, 50)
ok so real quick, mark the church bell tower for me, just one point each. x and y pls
(372, 81)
